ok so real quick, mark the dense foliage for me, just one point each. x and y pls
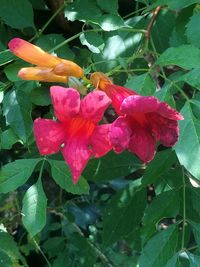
(121, 212)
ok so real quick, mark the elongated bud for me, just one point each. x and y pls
(41, 74)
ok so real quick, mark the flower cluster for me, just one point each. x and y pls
(142, 120)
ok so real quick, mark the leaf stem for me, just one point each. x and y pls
(41, 168)
(184, 211)
(178, 87)
(41, 252)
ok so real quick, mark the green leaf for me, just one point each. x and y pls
(184, 56)
(158, 166)
(160, 248)
(15, 174)
(62, 176)
(40, 96)
(188, 146)
(8, 139)
(192, 31)
(17, 14)
(123, 213)
(5, 57)
(9, 250)
(174, 4)
(93, 41)
(34, 209)
(84, 10)
(192, 78)
(110, 6)
(111, 166)
(196, 230)
(162, 29)
(17, 110)
(192, 199)
(143, 84)
(5, 260)
(12, 70)
(49, 41)
(111, 22)
(165, 205)
(194, 260)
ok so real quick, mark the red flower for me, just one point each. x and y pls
(142, 122)
(76, 133)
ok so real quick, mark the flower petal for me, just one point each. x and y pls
(166, 111)
(139, 104)
(49, 136)
(40, 74)
(120, 134)
(94, 104)
(142, 143)
(100, 140)
(165, 130)
(66, 102)
(32, 53)
(76, 153)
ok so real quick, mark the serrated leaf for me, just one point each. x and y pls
(62, 176)
(143, 84)
(192, 31)
(192, 78)
(184, 56)
(15, 174)
(188, 146)
(123, 213)
(158, 166)
(165, 205)
(17, 14)
(111, 166)
(93, 41)
(17, 110)
(34, 209)
(162, 246)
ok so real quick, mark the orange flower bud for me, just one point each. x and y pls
(49, 68)
(40, 74)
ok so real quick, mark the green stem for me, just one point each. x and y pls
(184, 211)
(175, 85)
(39, 33)
(92, 30)
(41, 252)
(42, 168)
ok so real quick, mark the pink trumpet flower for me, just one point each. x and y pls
(142, 121)
(76, 132)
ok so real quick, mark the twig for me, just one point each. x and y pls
(148, 31)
